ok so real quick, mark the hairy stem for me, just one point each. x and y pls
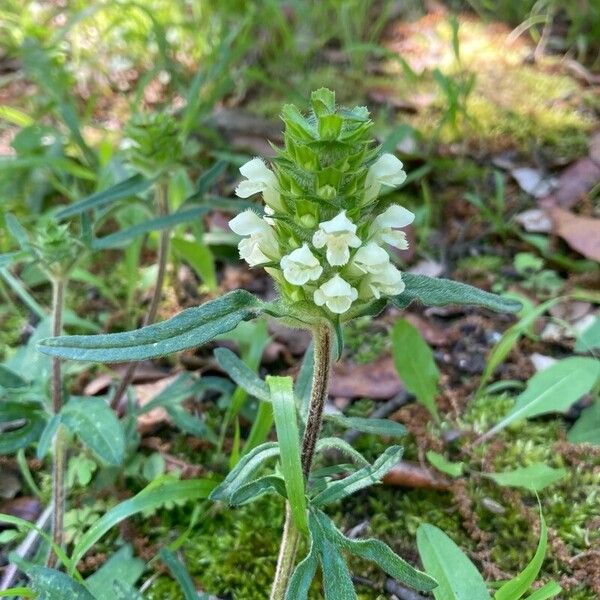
(59, 457)
(320, 386)
(162, 209)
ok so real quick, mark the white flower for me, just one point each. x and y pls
(259, 178)
(383, 227)
(339, 235)
(301, 266)
(388, 282)
(337, 294)
(371, 258)
(386, 170)
(261, 244)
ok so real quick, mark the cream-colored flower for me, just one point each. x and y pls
(386, 170)
(259, 178)
(383, 228)
(387, 282)
(337, 294)
(261, 244)
(339, 235)
(371, 258)
(301, 266)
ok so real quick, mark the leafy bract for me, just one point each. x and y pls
(457, 577)
(190, 328)
(432, 291)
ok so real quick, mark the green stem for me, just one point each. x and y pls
(162, 209)
(318, 397)
(59, 457)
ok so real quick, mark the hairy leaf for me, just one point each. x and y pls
(51, 584)
(432, 291)
(342, 446)
(190, 328)
(242, 374)
(385, 427)
(257, 488)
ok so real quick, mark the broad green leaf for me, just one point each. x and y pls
(441, 463)
(343, 447)
(122, 567)
(32, 420)
(180, 573)
(247, 466)
(97, 426)
(288, 436)
(516, 587)
(190, 328)
(360, 479)
(385, 427)
(123, 237)
(535, 477)
(136, 184)
(10, 379)
(337, 582)
(242, 374)
(415, 364)
(379, 553)
(200, 258)
(589, 339)
(47, 436)
(457, 577)
(303, 575)
(151, 497)
(554, 389)
(432, 291)
(50, 584)
(587, 428)
(550, 590)
(257, 488)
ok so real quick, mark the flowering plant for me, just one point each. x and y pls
(324, 236)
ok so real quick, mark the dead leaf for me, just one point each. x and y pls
(27, 508)
(574, 183)
(535, 220)
(430, 268)
(377, 380)
(10, 484)
(581, 233)
(541, 362)
(533, 182)
(145, 392)
(412, 475)
(433, 333)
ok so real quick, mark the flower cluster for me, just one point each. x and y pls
(324, 236)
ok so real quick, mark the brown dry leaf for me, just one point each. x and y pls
(145, 392)
(27, 508)
(377, 380)
(433, 333)
(581, 233)
(412, 475)
(574, 183)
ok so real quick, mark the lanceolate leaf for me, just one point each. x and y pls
(190, 328)
(47, 436)
(151, 497)
(457, 577)
(303, 575)
(124, 189)
(97, 426)
(516, 587)
(242, 374)
(340, 445)
(122, 567)
(120, 238)
(550, 590)
(288, 436)
(360, 479)
(379, 553)
(554, 389)
(257, 488)
(244, 470)
(432, 291)
(385, 427)
(589, 339)
(415, 364)
(587, 428)
(180, 574)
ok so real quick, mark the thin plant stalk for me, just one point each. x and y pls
(59, 455)
(162, 208)
(320, 387)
